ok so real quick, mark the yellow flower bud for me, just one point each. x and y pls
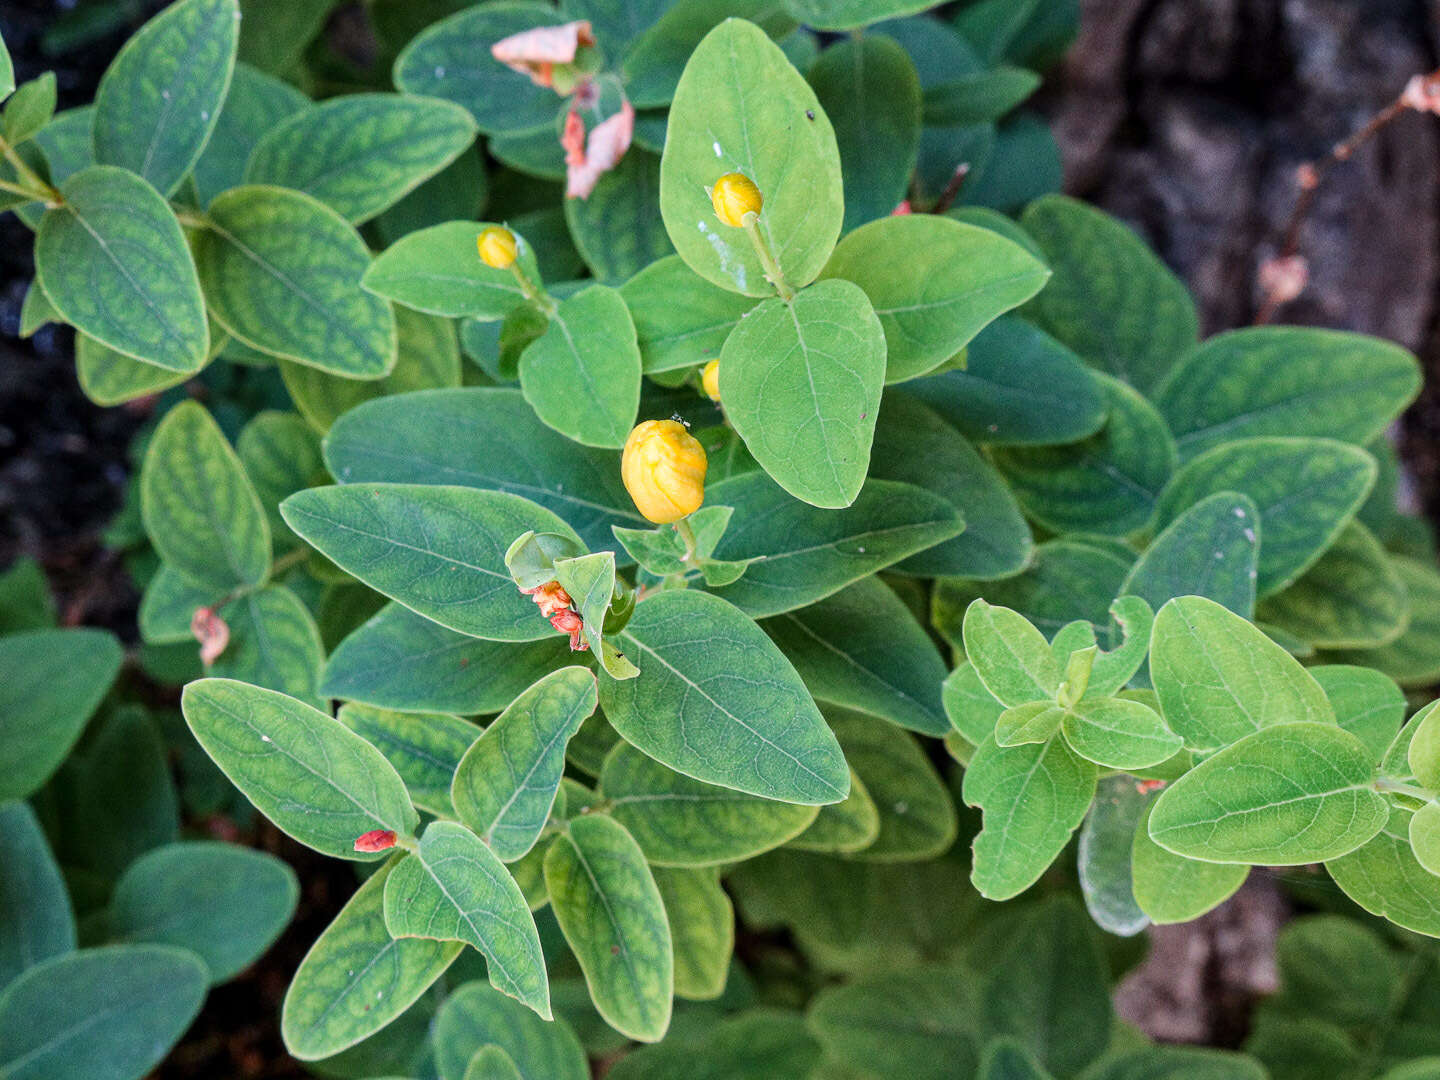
(710, 380)
(663, 467)
(497, 247)
(733, 196)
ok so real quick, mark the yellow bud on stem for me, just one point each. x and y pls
(733, 196)
(663, 467)
(497, 247)
(710, 380)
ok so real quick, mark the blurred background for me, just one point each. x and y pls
(1186, 118)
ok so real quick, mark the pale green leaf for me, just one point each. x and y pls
(438, 270)
(1011, 657)
(440, 551)
(681, 319)
(506, 782)
(1104, 856)
(452, 887)
(613, 917)
(356, 978)
(702, 930)
(717, 701)
(1119, 734)
(1385, 878)
(315, 778)
(844, 827)
(1367, 703)
(1286, 795)
(1412, 659)
(740, 107)
(1171, 888)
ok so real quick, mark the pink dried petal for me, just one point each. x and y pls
(536, 52)
(568, 622)
(903, 209)
(211, 632)
(376, 840)
(603, 150)
(1282, 279)
(573, 139)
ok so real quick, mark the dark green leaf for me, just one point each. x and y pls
(616, 227)
(476, 1016)
(255, 104)
(1412, 659)
(1210, 550)
(425, 749)
(36, 922)
(681, 319)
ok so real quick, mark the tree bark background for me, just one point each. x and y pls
(1187, 119)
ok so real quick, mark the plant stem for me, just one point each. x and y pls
(534, 293)
(687, 533)
(190, 219)
(1385, 783)
(767, 260)
(37, 187)
(288, 560)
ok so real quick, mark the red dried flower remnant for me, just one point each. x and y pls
(588, 159)
(537, 52)
(376, 840)
(568, 622)
(556, 605)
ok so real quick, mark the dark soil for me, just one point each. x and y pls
(1185, 117)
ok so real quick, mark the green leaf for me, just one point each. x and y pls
(849, 14)
(226, 903)
(356, 978)
(440, 551)
(702, 930)
(476, 1016)
(7, 72)
(1352, 597)
(111, 378)
(590, 582)
(681, 319)
(801, 382)
(657, 58)
(583, 374)
(1111, 299)
(1108, 484)
(1306, 490)
(613, 917)
(1113, 670)
(281, 273)
(312, 776)
(30, 109)
(740, 107)
(1119, 734)
(1367, 703)
(200, 511)
(403, 661)
(862, 648)
(1284, 796)
(1384, 877)
(506, 782)
(361, 153)
(1412, 659)
(51, 681)
(274, 643)
(451, 60)
(1173, 889)
(161, 96)
(682, 822)
(1019, 387)
(616, 23)
(1423, 748)
(456, 192)
(483, 437)
(454, 888)
(1219, 678)
(1049, 988)
(869, 85)
(492, 1063)
(36, 311)
(1033, 797)
(109, 1013)
(1210, 550)
(804, 554)
(844, 827)
(425, 749)
(36, 922)
(1007, 1059)
(972, 709)
(25, 599)
(1335, 969)
(438, 271)
(113, 262)
(256, 103)
(1286, 380)
(281, 454)
(1104, 856)
(274, 33)
(615, 227)
(917, 815)
(873, 1020)
(935, 283)
(916, 446)
(1066, 580)
(717, 701)
(428, 357)
(979, 98)
(1011, 657)
(129, 803)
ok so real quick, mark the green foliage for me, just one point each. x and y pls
(1158, 563)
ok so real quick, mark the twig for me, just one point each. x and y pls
(952, 189)
(1285, 276)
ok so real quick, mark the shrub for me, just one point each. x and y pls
(652, 628)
